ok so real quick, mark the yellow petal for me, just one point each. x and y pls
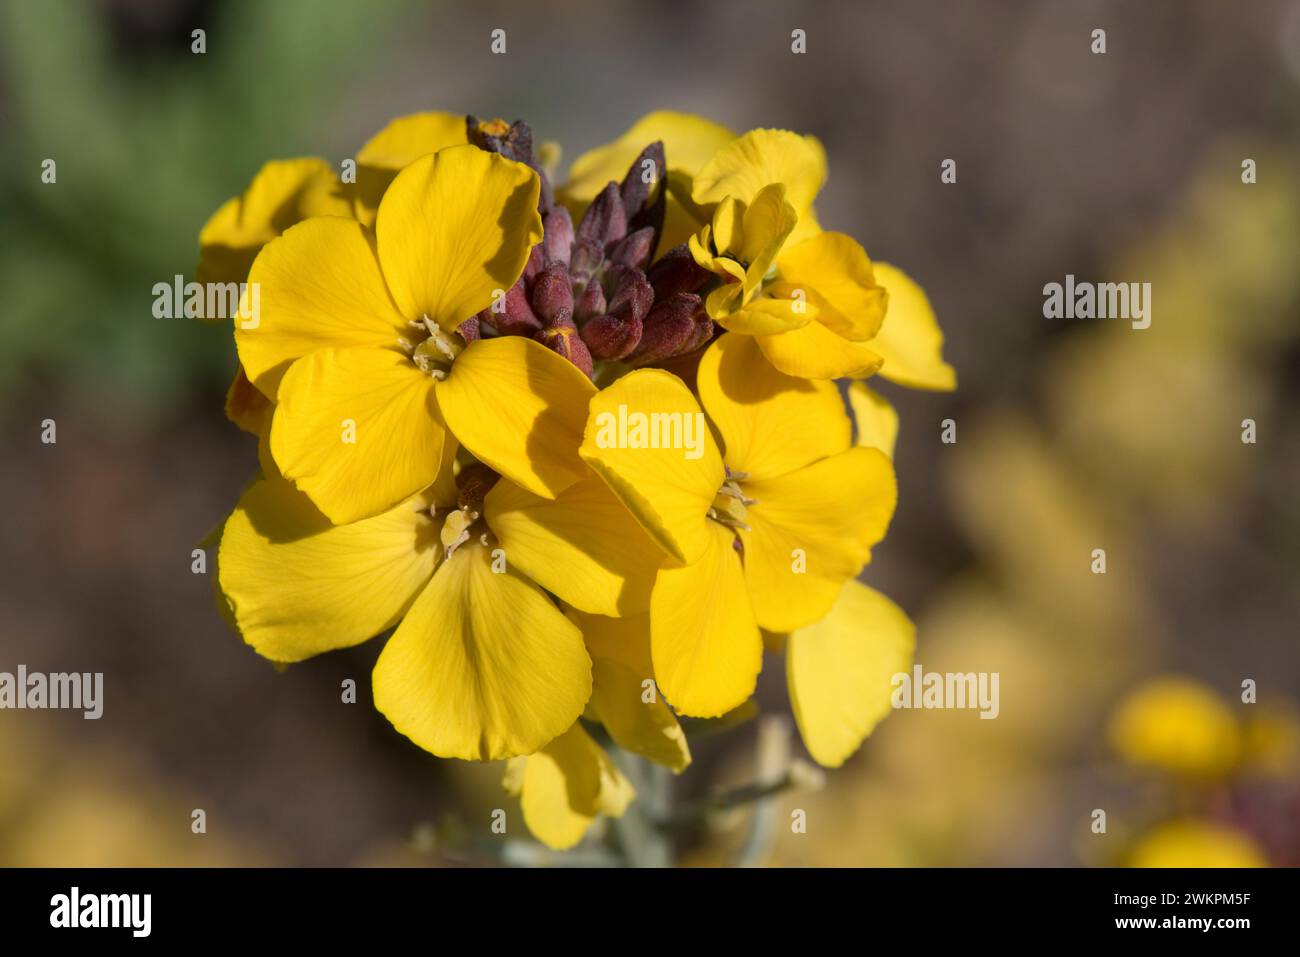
(876, 419)
(839, 279)
(319, 287)
(705, 643)
(298, 586)
(452, 228)
(767, 315)
(689, 141)
(624, 697)
(771, 423)
(566, 785)
(520, 408)
(283, 192)
(636, 717)
(397, 145)
(769, 219)
(357, 430)
(483, 666)
(734, 308)
(668, 489)
(245, 406)
(761, 157)
(727, 228)
(814, 352)
(583, 546)
(811, 531)
(840, 671)
(910, 340)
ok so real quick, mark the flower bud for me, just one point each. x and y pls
(557, 231)
(670, 329)
(536, 262)
(632, 295)
(635, 248)
(514, 140)
(562, 337)
(553, 295)
(588, 254)
(605, 220)
(612, 337)
(516, 317)
(645, 173)
(469, 329)
(676, 271)
(590, 304)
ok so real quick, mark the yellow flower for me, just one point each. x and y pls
(483, 665)
(791, 495)
(358, 342)
(285, 192)
(1196, 843)
(817, 304)
(1177, 725)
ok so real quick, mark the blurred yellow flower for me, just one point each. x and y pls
(1177, 725)
(1196, 843)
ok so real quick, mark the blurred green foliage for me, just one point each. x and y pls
(149, 138)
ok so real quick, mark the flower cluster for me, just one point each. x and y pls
(581, 448)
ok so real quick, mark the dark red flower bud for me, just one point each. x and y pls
(643, 176)
(605, 220)
(536, 262)
(553, 295)
(669, 330)
(676, 271)
(513, 316)
(591, 303)
(562, 338)
(612, 337)
(557, 229)
(635, 248)
(631, 294)
(469, 329)
(588, 254)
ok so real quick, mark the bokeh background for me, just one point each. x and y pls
(1118, 692)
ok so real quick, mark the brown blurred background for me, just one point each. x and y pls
(1071, 435)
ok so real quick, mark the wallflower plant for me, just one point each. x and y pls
(442, 339)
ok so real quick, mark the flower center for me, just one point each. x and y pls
(431, 348)
(730, 503)
(466, 520)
